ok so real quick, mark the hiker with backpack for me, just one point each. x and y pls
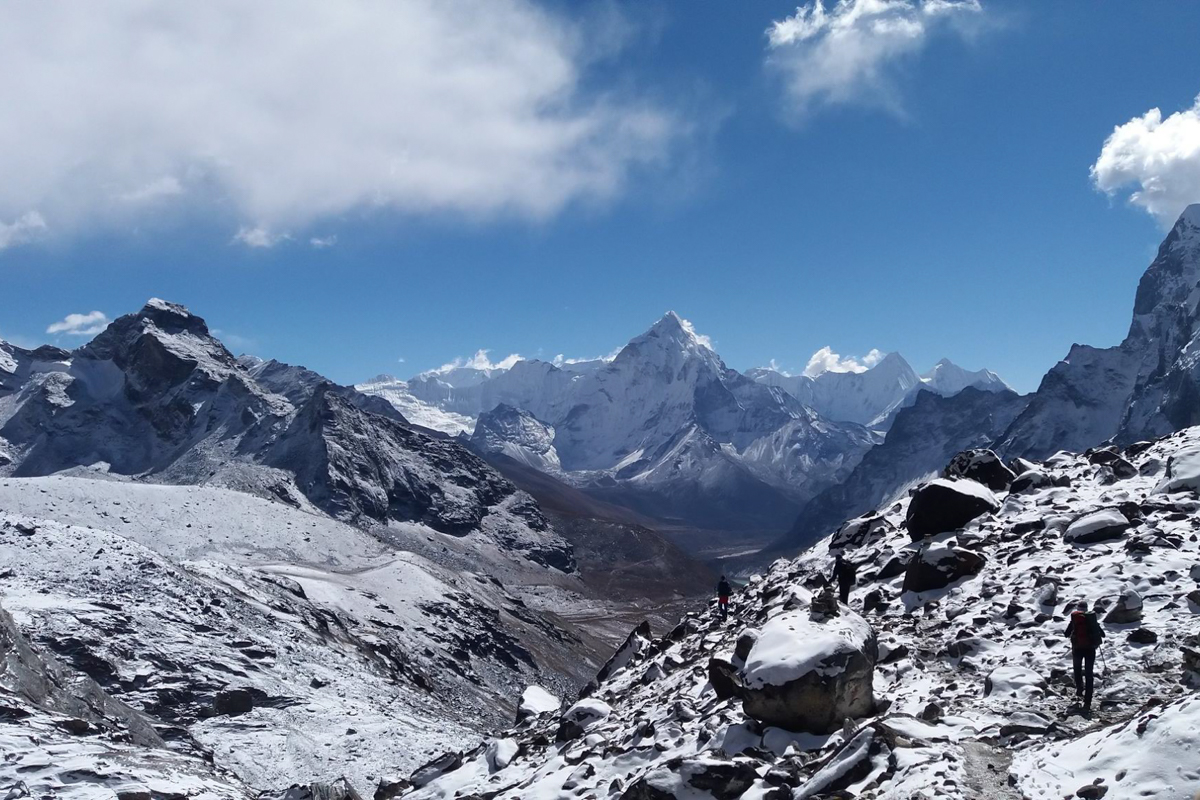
(1086, 635)
(723, 592)
(845, 573)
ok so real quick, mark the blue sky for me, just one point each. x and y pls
(430, 180)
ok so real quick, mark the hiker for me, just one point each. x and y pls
(723, 592)
(1085, 634)
(845, 573)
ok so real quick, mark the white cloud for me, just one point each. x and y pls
(825, 360)
(321, 242)
(479, 361)
(850, 54)
(775, 366)
(24, 228)
(257, 236)
(285, 112)
(1161, 157)
(560, 359)
(88, 324)
(699, 337)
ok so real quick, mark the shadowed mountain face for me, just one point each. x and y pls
(1147, 386)
(156, 396)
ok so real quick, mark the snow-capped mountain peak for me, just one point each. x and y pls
(948, 378)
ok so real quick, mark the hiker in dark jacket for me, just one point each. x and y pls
(845, 573)
(1085, 634)
(723, 592)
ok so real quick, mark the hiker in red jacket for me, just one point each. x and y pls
(1085, 634)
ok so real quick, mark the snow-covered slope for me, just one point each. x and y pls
(971, 679)
(1148, 385)
(426, 415)
(293, 647)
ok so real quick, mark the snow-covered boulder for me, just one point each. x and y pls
(1098, 526)
(1183, 473)
(581, 716)
(945, 505)
(536, 701)
(860, 531)
(499, 753)
(805, 675)
(938, 566)
(983, 466)
(1030, 481)
(1014, 682)
(1128, 608)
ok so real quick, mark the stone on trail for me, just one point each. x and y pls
(983, 466)
(938, 566)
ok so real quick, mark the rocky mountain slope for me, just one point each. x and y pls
(919, 444)
(949, 665)
(1145, 387)
(155, 396)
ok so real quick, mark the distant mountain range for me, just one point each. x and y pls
(666, 428)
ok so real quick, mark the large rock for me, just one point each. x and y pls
(1030, 481)
(581, 716)
(946, 505)
(938, 566)
(1098, 526)
(860, 531)
(1183, 472)
(536, 701)
(805, 675)
(983, 466)
(1128, 608)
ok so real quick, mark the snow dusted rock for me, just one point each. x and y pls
(1128, 608)
(1098, 526)
(982, 466)
(500, 753)
(945, 505)
(804, 675)
(579, 717)
(938, 565)
(536, 701)
(1030, 481)
(1182, 474)
(435, 768)
(860, 531)
(745, 643)
(1015, 682)
(1155, 753)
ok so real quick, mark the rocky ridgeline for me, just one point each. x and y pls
(948, 675)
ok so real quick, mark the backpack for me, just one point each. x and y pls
(1085, 631)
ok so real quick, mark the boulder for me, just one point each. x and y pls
(581, 716)
(1031, 481)
(725, 679)
(1098, 526)
(983, 466)
(1128, 608)
(1014, 682)
(895, 565)
(1183, 472)
(724, 780)
(860, 531)
(745, 642)
(536, 701)
(946, 505)
(432, 770)
(1142, 636)
(390, 787)
(807, 675)
(232, 702)
(938, 566)
(499, 753)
